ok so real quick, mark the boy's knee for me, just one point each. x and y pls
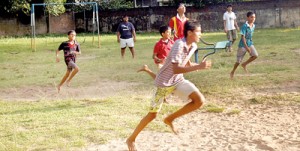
(152, 115)
(76, 69)
(197, 99)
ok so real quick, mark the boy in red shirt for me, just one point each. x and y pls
(161, 50)
(177, 22)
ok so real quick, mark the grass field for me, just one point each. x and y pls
(49, 122)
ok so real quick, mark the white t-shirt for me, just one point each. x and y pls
(229, 18)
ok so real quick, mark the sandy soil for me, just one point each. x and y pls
(258, 127)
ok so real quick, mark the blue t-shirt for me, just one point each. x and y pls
(247, 31)
(126, 29)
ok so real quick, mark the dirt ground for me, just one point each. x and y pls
(258, 127)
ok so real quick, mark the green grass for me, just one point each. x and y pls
(76, 123)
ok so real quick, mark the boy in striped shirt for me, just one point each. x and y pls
(170, 79)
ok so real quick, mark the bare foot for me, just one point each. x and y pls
(131, 145)
(245, 69)
(144, 68)
(231, 75)
(169, 123)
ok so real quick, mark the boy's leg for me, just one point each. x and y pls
(230, 39)
(234, 35)
(233, 70)
(253, 55)
(143, 123)
(75, 68)
(155, 107)
(239, 57)
(130, 44)
(132, 51)
(252, 58)
(146, 69)
(63, 80)
(187, 90)
(123, 52)
(73, 73)
(197, 99)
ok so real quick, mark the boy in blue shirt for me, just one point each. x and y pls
(246, 44)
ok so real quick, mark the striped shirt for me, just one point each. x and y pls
(179, 54)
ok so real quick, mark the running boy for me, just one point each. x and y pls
(161, 50)
(71, 49)
(246, 44)
(170, 78)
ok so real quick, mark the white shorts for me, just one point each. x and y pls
(126, 42)
(184, 89)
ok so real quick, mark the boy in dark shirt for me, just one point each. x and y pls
(71, 49)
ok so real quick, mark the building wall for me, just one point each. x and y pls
(58, 24)
(275, 13)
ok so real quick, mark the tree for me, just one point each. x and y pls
(55, 9)
(11, 7)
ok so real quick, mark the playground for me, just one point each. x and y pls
(105, 101)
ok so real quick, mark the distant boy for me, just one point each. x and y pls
(161, 50)
(71, 49)
(126, 36)
(246, 44)
(230, 26)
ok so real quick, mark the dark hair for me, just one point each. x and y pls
(229, 5)
(125, 16)
(180, 4)
(190, 25)
(71, 31)
(249, 14)
(163, 29)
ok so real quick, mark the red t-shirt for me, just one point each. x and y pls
(162, 49)
(180, 26)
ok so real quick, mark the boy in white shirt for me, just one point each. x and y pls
(230, 26)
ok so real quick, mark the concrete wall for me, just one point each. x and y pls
(59, 24)
(275, 13)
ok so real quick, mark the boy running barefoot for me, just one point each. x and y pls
(170, 79)
(246, 44)
(71, 49)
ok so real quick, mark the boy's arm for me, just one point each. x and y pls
(245, 43)
(57, 58)
(156, 59)
(134, 35)
(225, 29)
(179, 69)
(118, 36)
(236, 25)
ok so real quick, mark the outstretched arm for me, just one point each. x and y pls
(191, 67)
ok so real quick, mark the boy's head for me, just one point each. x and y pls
(165, 32)
(125, 18)
(181, 8)
(250, 17)
(229, 8)
(192, 29)
(71, 34)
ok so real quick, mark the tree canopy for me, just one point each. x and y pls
(9, 8)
